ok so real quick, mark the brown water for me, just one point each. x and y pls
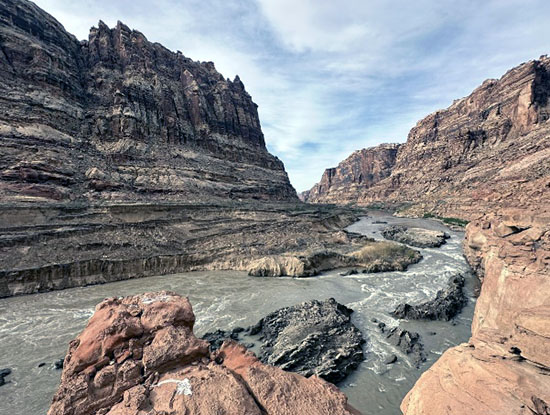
(37, 328)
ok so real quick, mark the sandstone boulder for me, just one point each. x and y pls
(138, 355)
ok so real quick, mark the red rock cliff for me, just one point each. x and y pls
(504, 367)
(354, 176)
(488, 150)
(138, 355)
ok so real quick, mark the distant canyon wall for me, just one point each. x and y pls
(488, 150)
(353, 176)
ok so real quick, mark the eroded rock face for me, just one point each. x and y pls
(312, 338)
(138, 355)
(421, 238)
(486, 151)
(503, 369)
(373, 256)
(445, 306)
(360, 171)
(116, 117)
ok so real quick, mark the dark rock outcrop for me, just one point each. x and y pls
(360, 171)
(116, 117)
(445, 306)
(139, 355)
(409, 343)
(421, 238)
(3, 373)
(218, 337)
(312, 338)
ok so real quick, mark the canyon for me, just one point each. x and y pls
(485, 159)
(486, 151)
(121, 159)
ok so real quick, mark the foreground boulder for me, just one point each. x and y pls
(421, 238)
(504, 367)
(445, 306)
(311, 338)
(138, 355)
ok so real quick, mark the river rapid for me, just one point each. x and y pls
(37, 328)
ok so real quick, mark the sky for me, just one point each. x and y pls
(334, 76)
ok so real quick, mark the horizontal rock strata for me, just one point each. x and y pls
(504, 367)
(138, 355)
(360, 171)
(116, 117)
(46, 248)
(486, 151)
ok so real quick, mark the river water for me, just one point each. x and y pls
(37, 328)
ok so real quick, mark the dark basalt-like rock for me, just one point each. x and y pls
(409, 343)
(3, 374)
(216, 338)
(421, 238)
(312, 338)
(445, 306)
(390, 359)
(58, 364)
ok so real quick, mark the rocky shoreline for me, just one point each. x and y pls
(504, 367)
(445, 306)
(46, 248)
(139, 355)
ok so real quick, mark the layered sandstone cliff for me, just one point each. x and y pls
(488, 150)
(120, 158)
(346, 182)
(117, 117)
(138, 355)
(504, 367)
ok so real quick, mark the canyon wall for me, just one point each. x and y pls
(117, 117)
(488, 150)
(504, 367)
(486, 159)
(353, 176)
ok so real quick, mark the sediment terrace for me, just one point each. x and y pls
(49, 247)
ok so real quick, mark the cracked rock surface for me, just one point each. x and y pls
(138, 355)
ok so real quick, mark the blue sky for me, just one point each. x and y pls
(334, 76)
